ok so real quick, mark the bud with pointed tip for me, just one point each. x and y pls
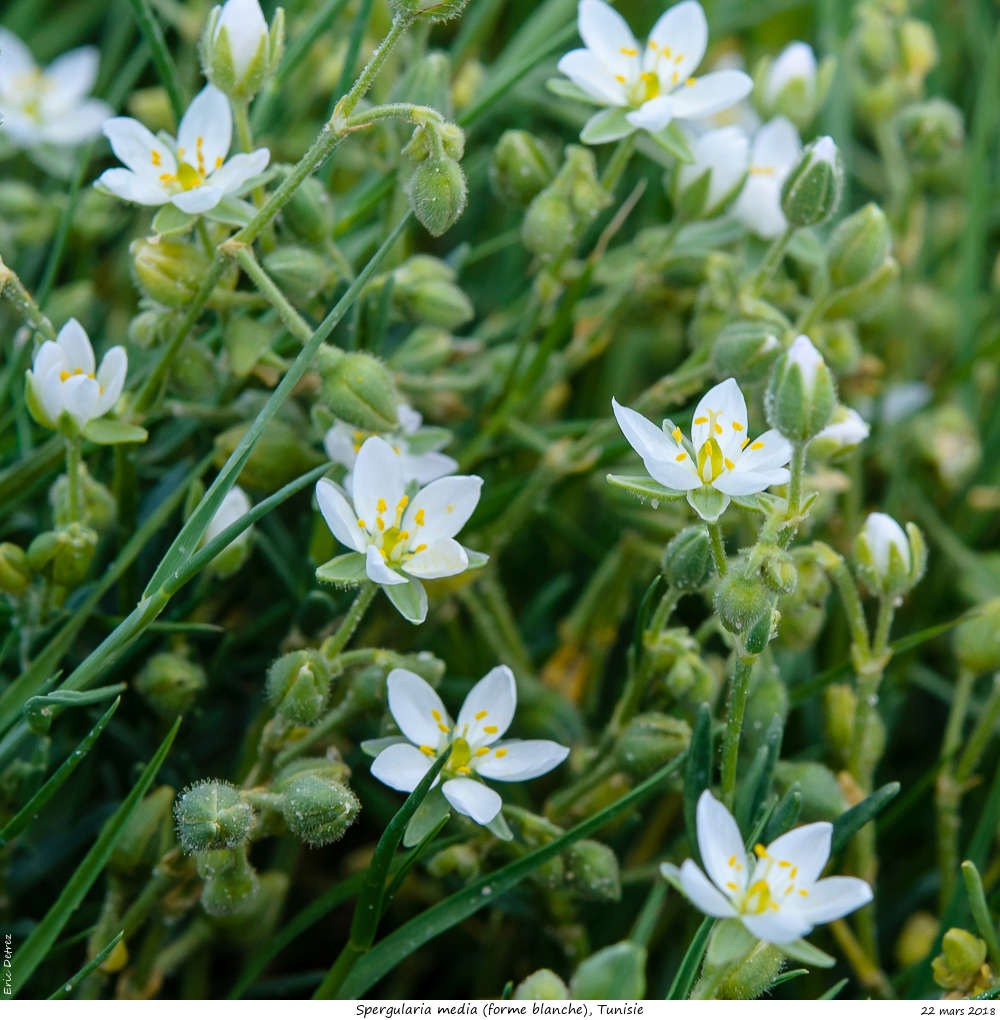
(889, 561)
(437, 192)
(687, 559)
(238, 50)
(231, 884)
(299, 685)
(317, 806)
(742, 600)
(169, 683)
(801, 394)
(522, 165)
(859, 246)
(812, 189)
(426, 290)
(793, 85)
(649, 741)
(358, 389)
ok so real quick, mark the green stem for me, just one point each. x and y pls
(13, 291)
(981, 733)
(294, 322)
(618, 162)
(718, 549)
(165, 66)
(739, 686)
(645, 923)
(350, 622)
(771, 260)
(73, 476)
(797, 470)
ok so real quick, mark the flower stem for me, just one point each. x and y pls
(350, 622)
(294, 322)
(739, 686)
(796, 470)
(73, 476)
(718, 549)
(618, 162)
(771, 260)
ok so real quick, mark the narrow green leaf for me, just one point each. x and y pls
(41, 710)
(785, 814)
(164, 62)
(87, 969)
(40, 941)
(697, 769)
(851, 820)
(757, 782)
(683, 981)
(789, 975)
(834, 990)
(980, 910)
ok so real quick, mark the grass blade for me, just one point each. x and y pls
(87, 969)
(851, 820)
(680, 987)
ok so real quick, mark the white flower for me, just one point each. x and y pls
(343, 441)
(795, 63)
(779, 897)
(234, 506)
(63, 378)
(192, 173)
(775, 150)
(720, 455)
(650, 85)
(246, 30)
(51, 106)
(724, 155)
(846, 429)
(882, 534)
(402, 539)
(476, 749)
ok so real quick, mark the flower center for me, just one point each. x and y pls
(66, 374)
(391, 540)
(644, 88)
(188, 175)
(461, 755)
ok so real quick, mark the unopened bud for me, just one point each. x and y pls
(649, 741)
(429, 10)
(977, 640)
(358, 388)
(746, 349)
(169, 270)
(757, 637)
(212, 815)
(889, 561)
(960, 960)
(298, 684)
(460, 860)
(542, 985)
(918, 48)
(549, 225)
(425, 349)
(687, 559)
(73, 554)
(741, 600)
(231, 884)
(522, 165)
(859, 246)
(792, 85)
(931, 132)
(425, 288)
(317, 808)
(238, 51)
(917, 938)
(15, 572)
(591, 870)
(777, 568)
(822, 798)
(813, 187)
(801, 394)
(300, 271)
(615, 972)
(96, 505)
(309, 212)
(169, 683)
(438, 193)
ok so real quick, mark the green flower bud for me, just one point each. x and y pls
(437, 192)
(759, 634)
(649, 741)
(15, 572)
(522, 165)
(301, 272)
(542, 985)
(429, 10)
(254, 921)
(168, 269)
(803, 611)
(755, 975)
(298, 684)
(977, 640)
(169, 683)
(615, 972)
(801, 394)
(746, 349)
(424, 350)
(859, 246)
(777, 568)
(231, 884)
(246, 342)
(460, 860)
(768, 697)
(917, 938)
(211, 815)
(889, 561)
(591, 870)
(73, 554)
(548, 226)
(317, 808)
(813, 187)
(280, 455)
(42, 549)
(822, 798)
(838, 341)
(238, 51)
(948, 439)
(864, 300)
(792, 85)
(309, 212)
(97, 507)
(918, 48)
(687, 559)
(144, 837)
(425, 289)
(147, 328)
(692, 679)
(358, 389)
(840, 703)
(961, 959)
(741, 600)
(931, 132)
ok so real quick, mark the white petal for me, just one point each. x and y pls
(444, 506)
(720, 843)
(585, 70)
(711, 93)
(15, 59)
(835, 897)
(339, 444)
(339, 516)
(725, 153)
(515, 760)
(79, 396)
(418, 711)
(410, 419)
(197, 200)
(767, 451)
(130, 187)
(425, 467)
(378, 571)
(50, 392)
(235, 172)
(377, 483)
(684, 31)
(659, 451)
(846, 429)
(739, 482)
(776, 144)
(488, 708)
(76, 347)
(207, 118)
(401, 766)
(882, 531)
(724, 401)
(681, 476)
(135, 146)
(702, 893)
(111, 378)
(758, 207)
(234, 505)
(654, 115)
(69, 78)
(474, 799)
(776, 926)
(50, 355)
(607, 35)
(245, 28)
(444, 558)
(79, 124)
(795, 62)
(807, 847)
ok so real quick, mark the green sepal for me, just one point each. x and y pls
(644, 488)
(476, 559)
(672, 140)
(108, 432)
(606, 126)
(409, 598)
(729, 942)
(346, 569)
(568, 90)
(806, 952)
(171, 220)
(231, 211)
(708, 503)
(499, 827)
(431, 811)
(34, 405)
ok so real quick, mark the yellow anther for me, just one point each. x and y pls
(180, 152)
(790, 888)
(490, 729)
(482, 714)
(166, 178)
(757, 446)
(803, 892)
(628, 51)
(680, 456)
(759, 850)
(678, 435)
(689, 81)
(793, 872)
(482, 751)
(419, 517)
(729, 464)
(620, 78)
(733, 886)
(218, 162)
(450, 507)
(784, 864)
(361, 523)
(718, 429)
(766, 171)
(420, 548)
(737, 427)
(403, 536)
(381, 506)
(380, 524)
(464, 770)
(701, 421)
(156, 158)
(675, 78)
(427, 749)
(678, 58)
(501, 751)
(402, 504)
(443, 728)
(732, 860)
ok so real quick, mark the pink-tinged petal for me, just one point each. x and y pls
(835, 897)
(807, 848)
(417, 709)
(401, 766)
(339, 516)
(488, 708)
(513, 761)
(710, 94)
(444, 558)
(378, 571)
(705, 896)
(585, 70)
(473, 799)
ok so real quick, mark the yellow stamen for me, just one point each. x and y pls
(501, 751)
(757, 446)
(620, 78)
(701, 421)
(729, 464)
(482, 714)
(627, 51)
(784, 864)
(420, 548)
(733, 886)
(482, 751)
(689, 81)
(490, 729)
(680, 457)
(737, 427)
(380, 524)
(718, 429)
(759, 850)
(802, 892)
(361, 523)
(443, 728)
(436, 714)
(156, 158)
(402, 504)
(464, 770)
(419, 517)
(426, 749)
(381, 506)
(678, 435)
(732, 860)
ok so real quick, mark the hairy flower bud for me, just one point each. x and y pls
(801, 394)
(746, 349)
(859, 246)
(741, 600)
(298, 684)
(521, 166)
(591, 871)
(541, 985)
(813, 187)
(238, 51)
(169, 683)
(358, 389)
(73, 554)
(687, 559)
(649, 741)
(317, 808)
(15, 572)
(168, 269)
(977, 640)
(889, 561)
(301, 272)
(211, 815)
(426, 290)
(309, 212)
(231, 884)
(460, 860)
(437, 192)
(822, 798)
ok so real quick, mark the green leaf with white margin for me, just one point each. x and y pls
(346, 569)
(171, 220)
(107, 432)
(409, 598)
(671, 139)
(606, 126)
(644, 488)
(568, 90)
(806, 952)
(708, 503)
(433, 808)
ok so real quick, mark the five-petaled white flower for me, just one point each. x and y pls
(419, 448)
(721, 454)
(401, 538)
(650, 85)
(50, 106)
(775, 149)
(62, 378)
(192, 173)
(779, 896)
(476, 749)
